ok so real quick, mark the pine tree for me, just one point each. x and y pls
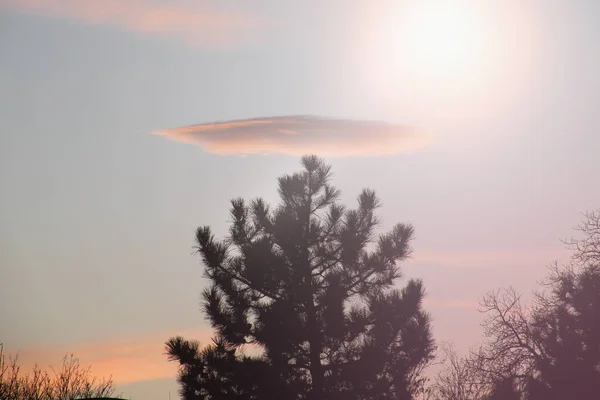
(309, 292)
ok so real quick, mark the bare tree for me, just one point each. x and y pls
(457, 380)
(587, 250)
(547, 350)
(512, 348)
(72, 381)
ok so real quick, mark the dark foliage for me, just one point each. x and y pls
(308, 290)
(504, 390)
(567, 326)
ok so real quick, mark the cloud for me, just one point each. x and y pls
(298, 135)
(491, 258)
(126, 359)
(197, 24)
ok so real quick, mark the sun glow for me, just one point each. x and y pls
(444, 62)
(440, 59)
(436, 38)
(446, 38)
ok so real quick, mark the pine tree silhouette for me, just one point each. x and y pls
(310, 289)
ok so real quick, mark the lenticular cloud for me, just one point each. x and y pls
(298, 135)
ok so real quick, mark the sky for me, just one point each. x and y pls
(101, 192)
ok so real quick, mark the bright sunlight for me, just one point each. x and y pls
(449, 55)
(441, 39)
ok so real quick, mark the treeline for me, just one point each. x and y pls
(306, 303)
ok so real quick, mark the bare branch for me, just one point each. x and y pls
(71, 381)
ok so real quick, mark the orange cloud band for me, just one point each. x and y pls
(125, 359)
(198, 25)
(298, 135)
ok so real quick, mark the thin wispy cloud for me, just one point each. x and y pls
(195, 22)
(489, 258)
(298, 135)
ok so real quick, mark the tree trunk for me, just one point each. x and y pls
(313, 328)
(316, 369)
